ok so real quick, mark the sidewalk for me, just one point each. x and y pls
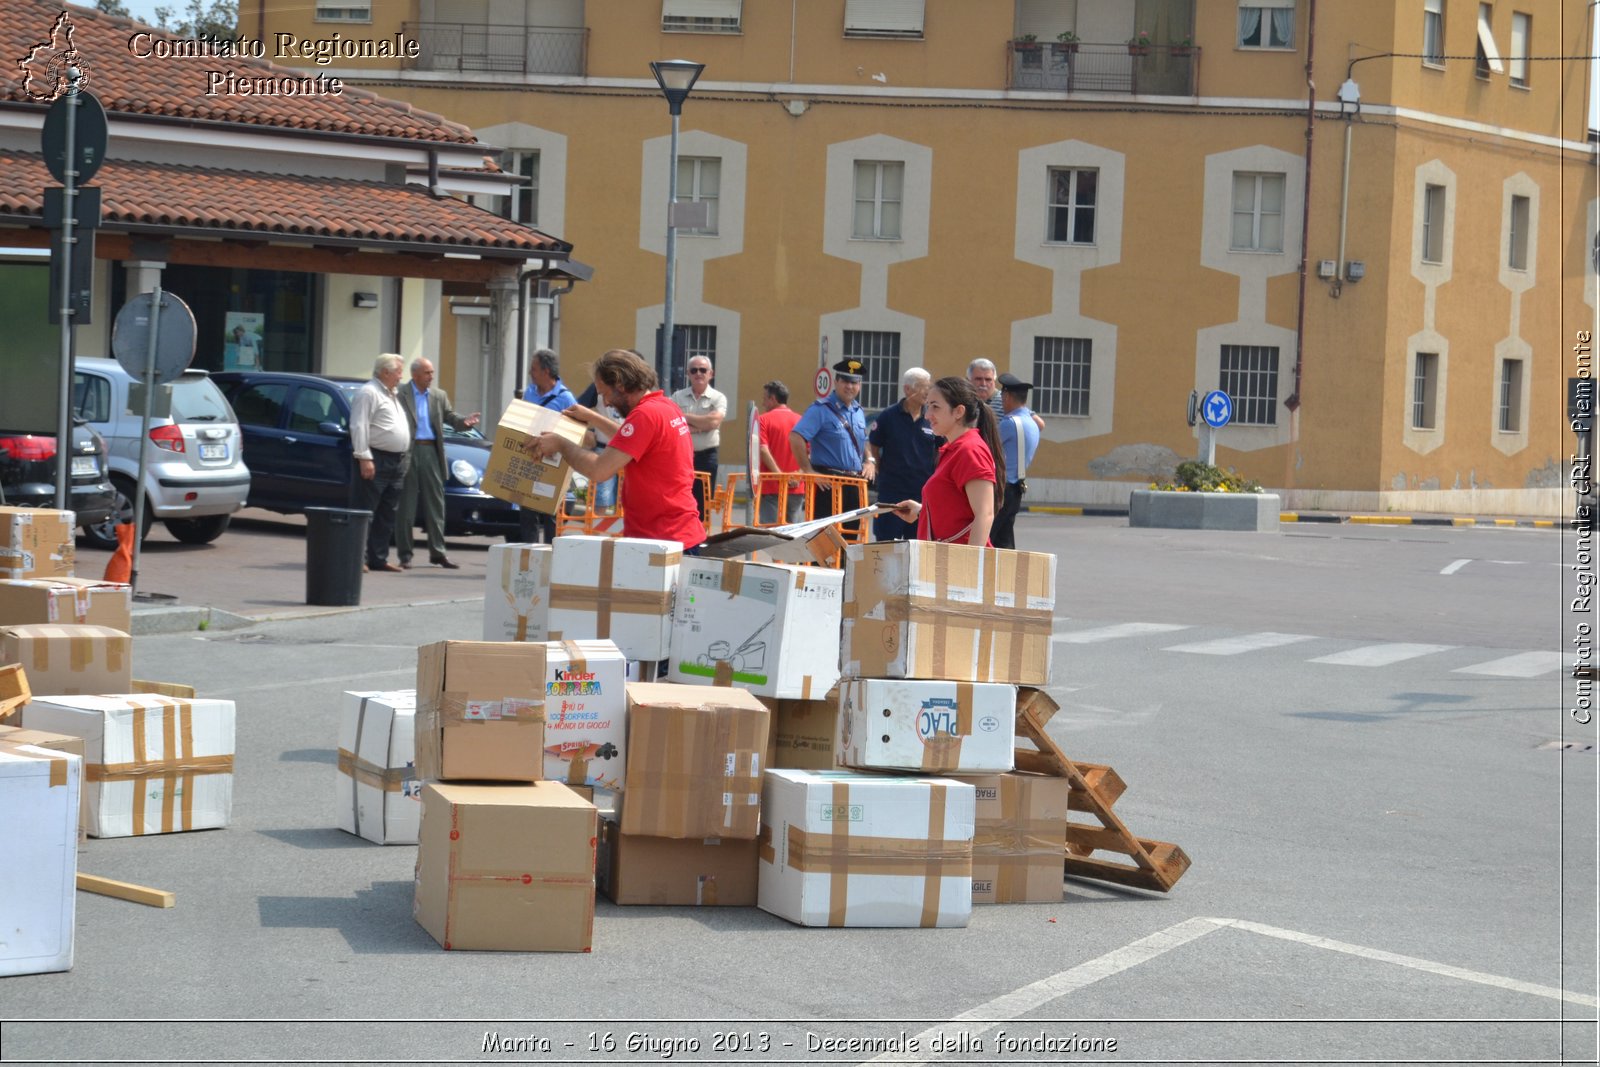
(1420, 519)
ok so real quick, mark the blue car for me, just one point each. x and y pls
(296, 430)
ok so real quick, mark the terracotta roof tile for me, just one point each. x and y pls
(176, 87)
(240, 203)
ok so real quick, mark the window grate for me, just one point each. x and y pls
(879, 353)
(1250, 378)
(1511, 396)
(1061, 367)
(1424, 389)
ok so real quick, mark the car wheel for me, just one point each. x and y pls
(201, 531)
(103, 534)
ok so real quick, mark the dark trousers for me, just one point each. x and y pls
(424, 488)
(380, 495)
(1003, 533)
(849, 499)
(704, 460)
(535, 527)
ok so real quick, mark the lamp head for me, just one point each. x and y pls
(676, 78)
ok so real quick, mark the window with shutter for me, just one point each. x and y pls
(701, 16)
(883, 18)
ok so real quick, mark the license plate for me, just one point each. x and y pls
(213, 451)
(85, 466)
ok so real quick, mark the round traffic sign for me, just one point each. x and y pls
(1217, 409)
(88, 136)
(824, 382)
(175, 335)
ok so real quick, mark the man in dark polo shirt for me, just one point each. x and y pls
(903, 444)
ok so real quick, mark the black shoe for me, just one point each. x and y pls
(447, 563)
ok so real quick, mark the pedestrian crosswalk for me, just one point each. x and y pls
(1311, 649)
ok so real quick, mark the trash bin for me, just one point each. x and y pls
(336, 546)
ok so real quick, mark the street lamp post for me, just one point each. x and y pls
(676, 78)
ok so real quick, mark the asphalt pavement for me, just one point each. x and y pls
(1356, 734)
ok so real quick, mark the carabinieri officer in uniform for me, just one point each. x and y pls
(831, 438)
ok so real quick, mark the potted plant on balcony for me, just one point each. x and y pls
(1066, 43)
(1183, 47)
(1028, 42)
(1139, 44)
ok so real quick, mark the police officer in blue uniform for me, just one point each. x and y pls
(831, 438)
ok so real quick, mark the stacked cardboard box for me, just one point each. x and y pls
(516, 604)
(802, 735)
(21, 735)
(70, 659)
(586, 708)
(39, 794)
(37, 543)
(615, 588)
(66, 600)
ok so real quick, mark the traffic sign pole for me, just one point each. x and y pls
(152, 382)
(68, 197)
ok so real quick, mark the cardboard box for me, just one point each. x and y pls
(70, 659)
(770, 628)
(507, 867)
(19, 735)
(516, 604)
(704, 872)
(165, 689)
(585, 714)
(802, 734)
(37, 543)
(513, 474)
(902, 724)
(845, 849)
(39, 791)
(694, 761)
(1020, 838)
(155, 765)
(616, 588)
(480, 711)
(377, 791)
(72, 600)
(14, 692)
(922, 609)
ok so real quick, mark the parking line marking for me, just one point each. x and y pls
(1111, 633)
(1380, 655)
(1522, 665)
(1233, 646)
(1457, 565)
(297, 682)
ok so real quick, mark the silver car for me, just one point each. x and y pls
(195, 478)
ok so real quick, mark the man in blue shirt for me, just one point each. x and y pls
(831, 438)
(906, 450)
(545, 388)
(428, 411)
(1019, 440)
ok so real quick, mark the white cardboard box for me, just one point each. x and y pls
(155, 764)
(586, 713)
(771, 628)
(516, 604)
(900, 724)
(902, 846)
(377, 791)
(39, 840)
(616, 588)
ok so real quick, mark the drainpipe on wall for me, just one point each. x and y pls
(1295, 399)
(433, 174)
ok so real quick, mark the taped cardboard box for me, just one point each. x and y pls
(586, 714)
(21, 735)
(904, 724)
(1021, 838)
(154, 765)
(922, 609)
(377, 791)
(516, 604)
(802, 734)
(513, 474)
(694, 761)
(70, 659)
(506, 867)
(37, 543)
(39, 793)
(840, 848)
(70, 600)
(480, 711)
(703, 872)
(615, 588)
(766, 627)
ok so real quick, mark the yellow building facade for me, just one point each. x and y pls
(1121, 201)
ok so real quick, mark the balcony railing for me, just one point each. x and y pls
(1161, 70)
(462, 46)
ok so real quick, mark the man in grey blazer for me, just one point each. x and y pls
(427, 410)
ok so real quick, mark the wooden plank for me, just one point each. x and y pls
(14, 691)
(1118, 873)
(139, 894)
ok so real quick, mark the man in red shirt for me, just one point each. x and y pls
(652, 442)
(775, 422)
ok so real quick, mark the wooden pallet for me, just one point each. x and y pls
(1156, 865)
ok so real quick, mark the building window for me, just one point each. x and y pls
(1433, 224)
(1521, 37)
(345, 11)
(700, 16)
(700, 181)
(879, 353)
(878, 192)
(1061, 375)
(1072, 201)
(883, 18)
(1266, 24)
(1518, 257)
(1488, 55)
(1250, 378)
(1511, 396)
(1424, 390)
(1433, 32)
(522, 204)
(1257, 212)
(700, 341)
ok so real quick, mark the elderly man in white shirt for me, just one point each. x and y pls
(704, 409)
(380, 440)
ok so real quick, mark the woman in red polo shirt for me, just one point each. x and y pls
(961, 499)
(652, 441)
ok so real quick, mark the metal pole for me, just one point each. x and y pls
(664, 360)
(151, 384)
(1208, 445)
(69, 197)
